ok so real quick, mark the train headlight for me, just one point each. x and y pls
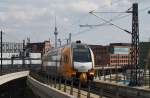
(91, 73)
(74, 74)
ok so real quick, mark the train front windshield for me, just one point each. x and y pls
(81, 54)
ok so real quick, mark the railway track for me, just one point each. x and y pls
(100, 89)
(112, 90)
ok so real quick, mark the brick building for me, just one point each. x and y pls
(101, 55)
(114, 54)
(40, 47)
(119, 54)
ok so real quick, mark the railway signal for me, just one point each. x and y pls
(55, 33)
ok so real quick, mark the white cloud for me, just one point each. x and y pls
(147, 28)
(108, 2)
(66, 19)
(83, 6)
(22, 14)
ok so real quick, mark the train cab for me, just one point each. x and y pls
(83, 61)
(73, 61)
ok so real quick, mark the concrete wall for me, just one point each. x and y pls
(40, 89)
(45, 91)
(12, 76)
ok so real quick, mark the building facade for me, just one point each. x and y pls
(18, 51)
(11, 47)
(101, 55)
(143, 56)
(112, 55)
(40, 47)
(119, 54)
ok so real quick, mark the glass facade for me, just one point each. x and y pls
(121, 50)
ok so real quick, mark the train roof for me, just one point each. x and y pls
(73, 44)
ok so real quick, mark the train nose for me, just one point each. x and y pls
(83, 77)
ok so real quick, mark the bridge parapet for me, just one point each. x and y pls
(12, 76)
(44, 90)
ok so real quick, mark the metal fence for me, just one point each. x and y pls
(10, 69)
(89, 89)
(121, 75)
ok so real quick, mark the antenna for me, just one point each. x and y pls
(55, 21)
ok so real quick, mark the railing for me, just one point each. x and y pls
(10, 69)
(69, 86)
(91, 88)
(121, 75)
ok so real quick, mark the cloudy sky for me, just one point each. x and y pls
(20, 19)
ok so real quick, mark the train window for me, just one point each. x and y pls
(81, 55)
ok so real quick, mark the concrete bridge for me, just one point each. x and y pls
(40, 89)
(48, 89)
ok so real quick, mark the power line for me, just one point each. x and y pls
(124, 16)
(79, 20)
(108, 12)
(111, 23)
(113, 19)
(88, 29)
(118, 17)
(98, 25)
(91, 26)
(102, 24)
